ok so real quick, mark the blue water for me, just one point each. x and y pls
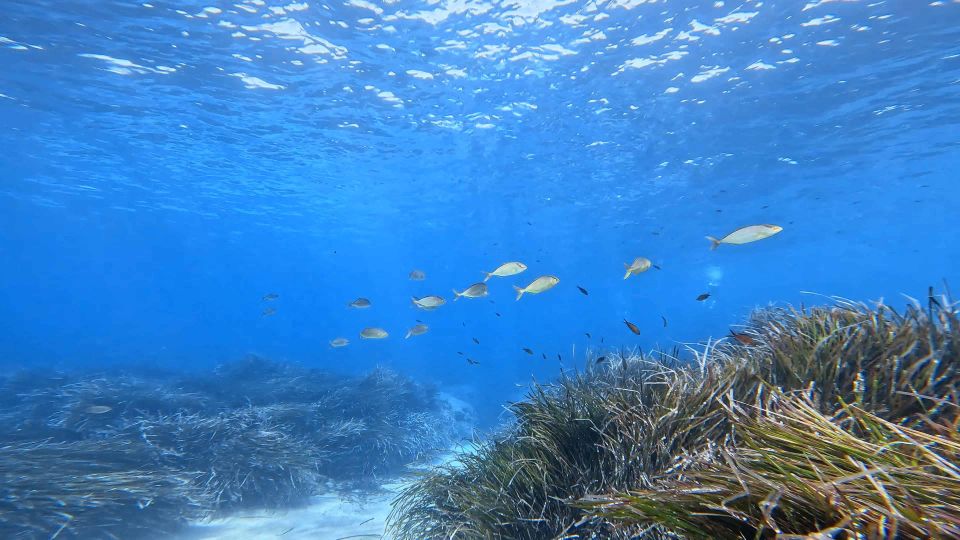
(166, 164)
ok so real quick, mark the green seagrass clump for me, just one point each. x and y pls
(132, 455)
(829, 422)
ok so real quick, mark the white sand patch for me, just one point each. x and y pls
(334, 515)
(328, 516)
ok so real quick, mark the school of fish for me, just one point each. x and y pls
(541, 284)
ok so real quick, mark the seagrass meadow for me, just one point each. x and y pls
(833, 422)
(141, 454)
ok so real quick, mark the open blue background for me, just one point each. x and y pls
(164, 166)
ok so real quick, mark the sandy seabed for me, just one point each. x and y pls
(327, 517)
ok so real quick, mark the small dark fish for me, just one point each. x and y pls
(498, 313)
(601, 339)
(656, 267)
(528, 351)
(664, 321)
(528, 223)
(544, 355)
(703, 297)
(419, 321)
(472, 362)
(460, 353)
(270, 297)
(477, 341)
(601, 359)
(587, 334)
(742, 338)
(464, 324)
(268, 312)
(559, 358)
(633, 328)
(584, 291)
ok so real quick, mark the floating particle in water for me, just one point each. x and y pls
(703, 297)
(633, 328)
(584, 291)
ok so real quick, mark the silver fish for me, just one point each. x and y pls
(476, 290)
(745, 235)
(542, 283)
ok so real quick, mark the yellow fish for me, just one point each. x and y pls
(429, 302)
(339, 342)
(506, 269)
(417, 330)
(639, 266)
(745, 235)
(474, 291)
(542, 283)
(373, 333)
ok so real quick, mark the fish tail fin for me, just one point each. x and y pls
(714, 243)
(456, 295)
(627, 266)
(408, 335)
(519, 291)
(487, 276)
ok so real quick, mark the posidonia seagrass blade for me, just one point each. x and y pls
(826, 421)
